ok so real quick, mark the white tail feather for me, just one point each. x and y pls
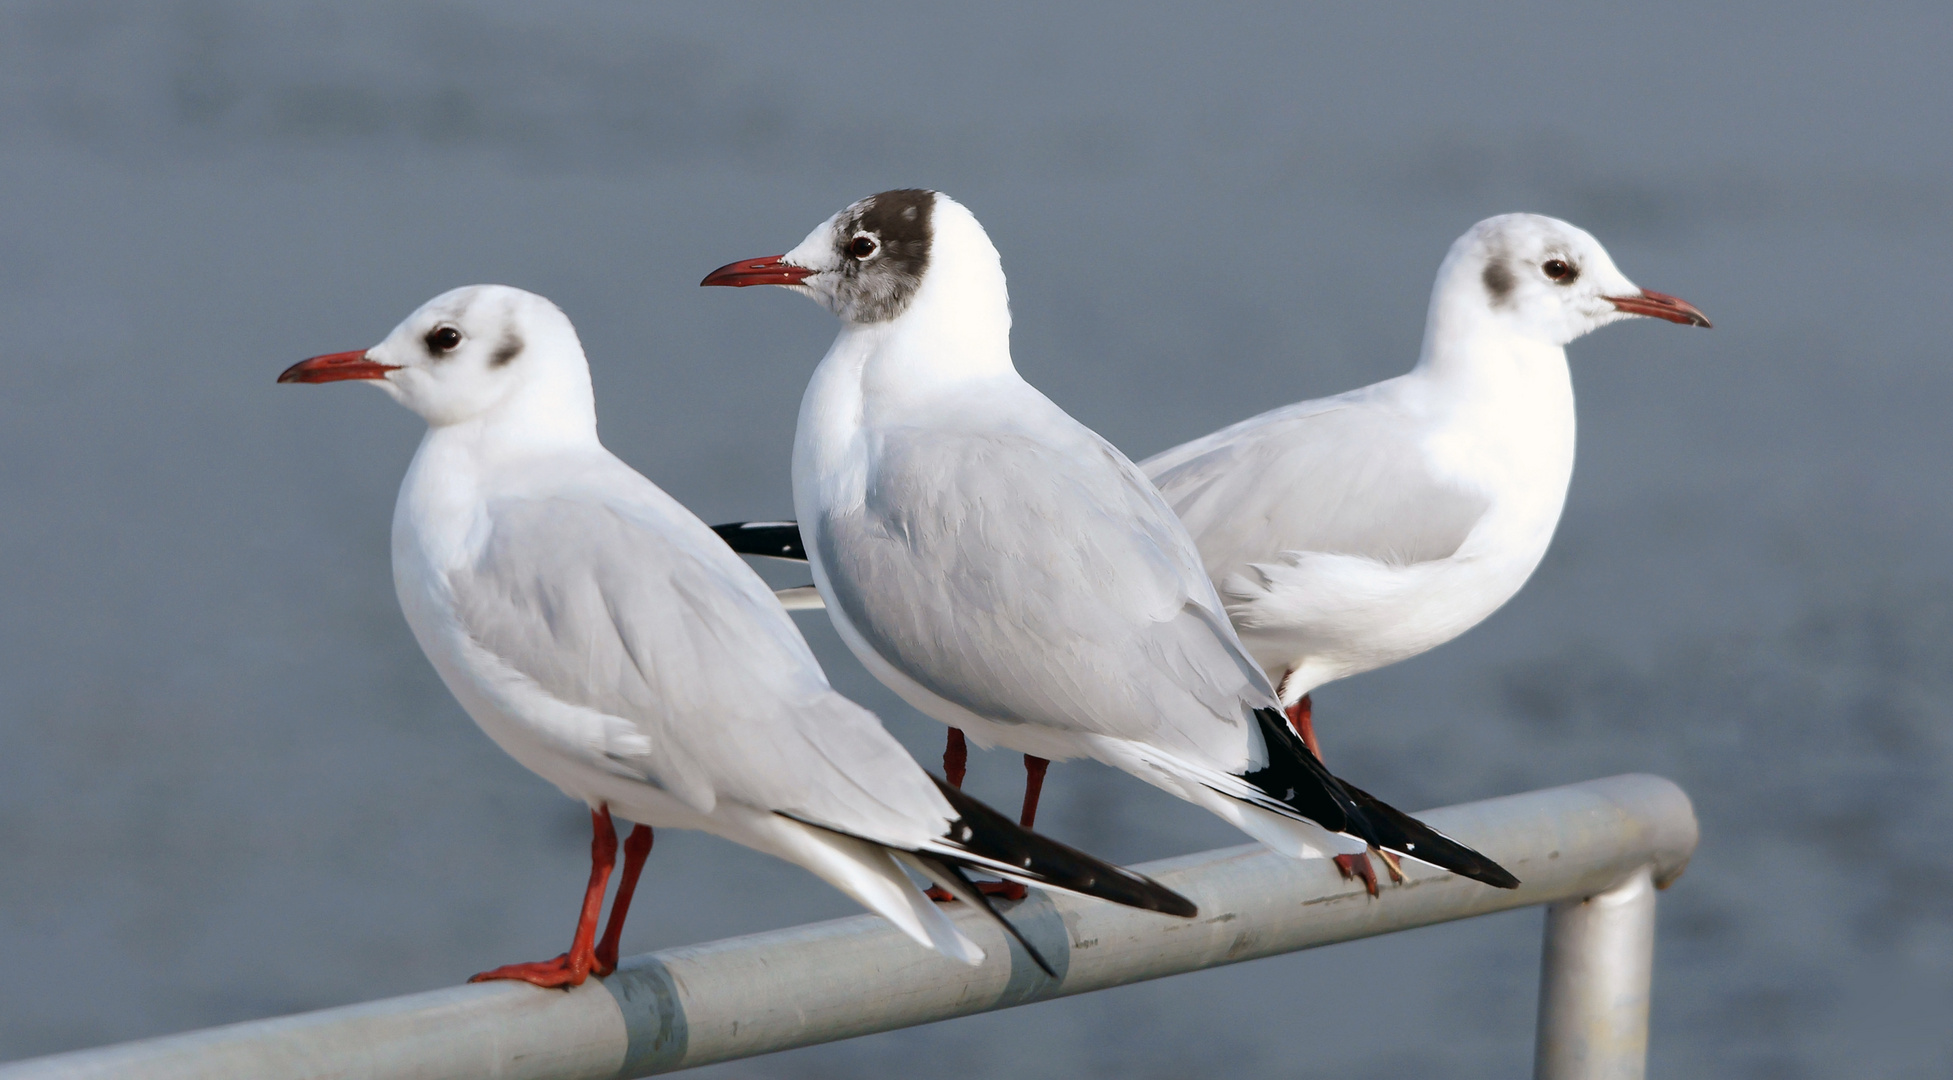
(1293, 837)
(868, 873)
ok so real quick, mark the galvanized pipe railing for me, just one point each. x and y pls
(1595, 851)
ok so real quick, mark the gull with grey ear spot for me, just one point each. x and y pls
(1355, 531)
(606, 639)
(1010, 573)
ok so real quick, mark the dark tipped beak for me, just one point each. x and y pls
(336, 367)
(1660, 306)
(772, 270)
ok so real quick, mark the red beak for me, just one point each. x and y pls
(772, 270)
(336, 367)
(1660, 306)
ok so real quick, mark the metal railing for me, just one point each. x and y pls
(1595, 852)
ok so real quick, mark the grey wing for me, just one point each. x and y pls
(1042, 584)
(1345, 476)
(633, 610)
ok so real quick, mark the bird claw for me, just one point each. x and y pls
(1358, 866)
(560, 973)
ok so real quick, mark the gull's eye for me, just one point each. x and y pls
(862, 246)
(442, 339)
(1561, 271)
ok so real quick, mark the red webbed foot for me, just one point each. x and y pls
(560, 973)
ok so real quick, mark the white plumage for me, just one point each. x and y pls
(1354, 531)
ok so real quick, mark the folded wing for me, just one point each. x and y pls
(1042, 583)
(630, 609)
(1346, 476)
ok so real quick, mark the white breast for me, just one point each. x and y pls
(440, 524)
(1504, 428)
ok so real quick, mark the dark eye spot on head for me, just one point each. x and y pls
(442, 339)
(510, 347)
(1498, 281)
(1560, 271)
(887, 251)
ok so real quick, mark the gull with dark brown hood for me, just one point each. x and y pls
(1010, 573)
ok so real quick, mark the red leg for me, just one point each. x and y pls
(1301, 717)
(1034, 768)
(637, 848)
(956, 762)
(1033, 787)
(571, 968)
(956, 758)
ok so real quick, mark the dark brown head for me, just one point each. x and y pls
(864, 263)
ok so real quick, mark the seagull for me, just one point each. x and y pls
(1354, 531)
(1007, 571)
(599, 632)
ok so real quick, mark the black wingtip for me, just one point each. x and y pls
(969, 893)
(1297, 778)
(772, 539)
(1406, 835)
(1040, 859)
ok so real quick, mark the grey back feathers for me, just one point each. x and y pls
(1331, 476)
(975, 607)
(630, 609)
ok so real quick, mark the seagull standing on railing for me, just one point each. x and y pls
(1355, 531)
(600, 634)
(1009, 572)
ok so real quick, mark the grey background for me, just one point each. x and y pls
(230, 787)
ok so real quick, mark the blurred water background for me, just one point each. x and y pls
(230, 787)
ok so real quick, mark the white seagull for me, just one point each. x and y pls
(1010, 573)
(1354, 531)
(601, 634)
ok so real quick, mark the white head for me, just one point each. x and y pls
(1541, 278)
(887, 255)
(483, 352)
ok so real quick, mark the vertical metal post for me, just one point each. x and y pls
(1595, 970)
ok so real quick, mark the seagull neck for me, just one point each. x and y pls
(956, 326)
(541, 419)
(930, 347)
(1474, 352)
